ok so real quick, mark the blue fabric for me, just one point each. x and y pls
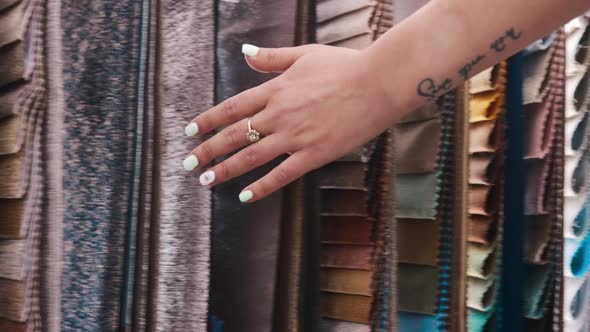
(411, 322)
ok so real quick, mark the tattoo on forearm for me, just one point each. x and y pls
(499, 44)
(430, 90)
(465, 71)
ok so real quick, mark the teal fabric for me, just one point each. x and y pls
(411, 322)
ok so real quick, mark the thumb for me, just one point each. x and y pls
(275, 60)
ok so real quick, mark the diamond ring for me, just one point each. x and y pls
(252, 135)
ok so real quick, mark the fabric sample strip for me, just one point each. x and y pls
(538, 233)
(535, 69)
(417, 288)
(482, 229)
(417, 195)
(482, 198)
(414, 322)
(339, 202)
(352, 308)
(483, 168)
(12, 259)
(418, 241)
(12, 63)
(346, 256)
(481, 293)
(343, 175)
(483, 137)
(346, 230)
(484, 106)
(12, 24)
(333, 325)
(482, 260)
(537, 296)
(417, 146)
(346, 281)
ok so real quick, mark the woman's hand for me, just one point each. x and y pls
(325, 103)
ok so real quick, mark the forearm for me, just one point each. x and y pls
(448, 41)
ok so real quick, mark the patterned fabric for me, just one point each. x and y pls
(100, 59)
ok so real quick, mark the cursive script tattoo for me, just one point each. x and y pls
(428, 89)
(499, 44)
(466, 70)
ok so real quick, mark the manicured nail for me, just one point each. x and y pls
(250, 50)
(207, 178)
(190, 162)
(246, 195)
(191, 129)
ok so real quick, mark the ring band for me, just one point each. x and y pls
(252, 135)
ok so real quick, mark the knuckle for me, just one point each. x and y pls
(230, 109)
(223, 171)
(206, 152)
(232, 136)
(282, 175)
(251, 157)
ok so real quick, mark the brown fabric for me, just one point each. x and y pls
(426, 112)
(482, 199)
(418, 288)
(344, 202)
(417, 146)
(12, 175)
(482, 229)
(12, 326)
(346, 230)
(482, 168)
(538, 232)
(12, 300)
(11, 24)
(5, 4)
(538, 124)
(346, 281)
(11, 132)
(349, 175)
(346, 256)
(353, 308)
(12, 259)
(8, 100)
(482, 137)
(12, 63)
(418, 241)
(289, 288)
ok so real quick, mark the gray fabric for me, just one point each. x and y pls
(246, 236)
(186, 76)
(53, 209)
(100, 73)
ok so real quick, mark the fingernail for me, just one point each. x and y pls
(246, 195)
(207, 178)
(191, 129)
(190, 162)
(250, 50)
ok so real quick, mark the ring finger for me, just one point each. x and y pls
(226, 141)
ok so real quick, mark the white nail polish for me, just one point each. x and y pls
(190, 163)
(246, 195)
(207, 178)
(191, 129)
(250, 50)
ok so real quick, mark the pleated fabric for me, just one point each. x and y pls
(543, 160)
(485, 219)
(182, 212)
(22, 181)
(576, 213)
(357, 273)
(245, 237)
(100, 58)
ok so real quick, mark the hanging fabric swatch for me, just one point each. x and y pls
(245, 237)
(486, 153)
(543, 159)
(352, 190)
(576, 214)
(22, 87)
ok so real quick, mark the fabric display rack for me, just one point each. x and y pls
(470, 214)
